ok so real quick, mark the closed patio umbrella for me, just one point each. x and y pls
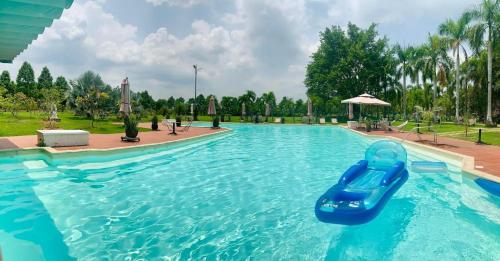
(125, 107)
(309, 108)
(211, 107)
(243, 111)
(192, 109)
(268, 110)
(351, 112)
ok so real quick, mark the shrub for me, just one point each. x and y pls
(215, 123)
(131, 129)
(154, 122)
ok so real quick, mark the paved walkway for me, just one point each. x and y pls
(487, 157)
(109, 141)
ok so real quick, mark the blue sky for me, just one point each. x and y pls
(262, 45)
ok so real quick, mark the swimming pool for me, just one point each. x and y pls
(248, 193)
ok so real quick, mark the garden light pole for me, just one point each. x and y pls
(196, 69)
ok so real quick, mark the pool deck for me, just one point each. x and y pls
(486, 157)
(112, 141)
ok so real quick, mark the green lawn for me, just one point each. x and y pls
(24, 124)
(452, 130)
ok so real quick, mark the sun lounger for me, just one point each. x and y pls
(322, 121)
(168, 123)
(187, 126)
(386, 127)
(352, 124)
(62, 138)
(334, 121)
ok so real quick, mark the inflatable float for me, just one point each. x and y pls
(364, 189)
(490, 186)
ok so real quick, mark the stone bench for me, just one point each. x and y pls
(63, 138)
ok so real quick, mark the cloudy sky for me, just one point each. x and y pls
(260, 45)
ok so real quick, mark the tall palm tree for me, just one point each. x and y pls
(435, 61)
(455, 34)
(487, 17)
(416, 64)
(403, 56)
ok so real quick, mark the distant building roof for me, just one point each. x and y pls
(21, 21)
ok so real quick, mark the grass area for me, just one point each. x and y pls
(452, 130)
(24, 124)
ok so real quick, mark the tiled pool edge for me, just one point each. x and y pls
(468, 162)
(48, 151)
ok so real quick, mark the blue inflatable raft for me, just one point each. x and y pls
(364, 189)
(490, 186)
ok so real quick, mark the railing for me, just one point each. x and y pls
(416, 130)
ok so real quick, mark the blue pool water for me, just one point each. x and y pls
(249, 193)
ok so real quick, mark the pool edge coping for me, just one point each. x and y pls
(468, 162)
(52, 151)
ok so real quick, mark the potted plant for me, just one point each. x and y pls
(368, 123)
(131, 130)
(154, 123)
(178, 121)
(215, 122)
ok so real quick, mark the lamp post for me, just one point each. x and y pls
(196, 69)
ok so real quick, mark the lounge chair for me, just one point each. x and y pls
(352, 124)
(168, 123)
(322, 121)
(187, 126)
(335, 121)
(277, 120)
(399, 128)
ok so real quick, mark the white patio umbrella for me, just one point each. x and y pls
(125, 107)
(211, 106)
(364, 99)
(268, 110)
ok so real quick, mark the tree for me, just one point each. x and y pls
(6, 82)
(248, 98)
(403, 56)
(349, 63)
(62, 87)
(435, 61)
(26, 80)
(93, 103)
(146, 101)
(455, 33)
(488, 22)
(49, 97)
(45, 80)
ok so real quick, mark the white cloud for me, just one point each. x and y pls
(260, 44)
(182, 3)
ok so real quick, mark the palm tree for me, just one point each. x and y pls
(403, 55)
(487, 15)
(455, 33)
(416, 64)
(435, 61)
